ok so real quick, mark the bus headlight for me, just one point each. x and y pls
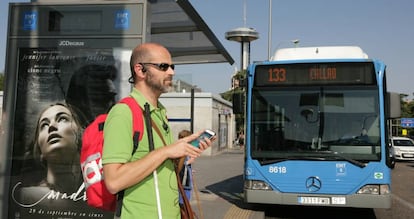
(256, 185)
(375, 190)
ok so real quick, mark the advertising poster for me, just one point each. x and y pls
(59, 92)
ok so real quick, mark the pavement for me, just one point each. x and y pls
(218, 187)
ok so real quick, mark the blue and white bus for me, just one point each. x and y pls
(316, 129)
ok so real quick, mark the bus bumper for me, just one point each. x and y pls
(356, 200)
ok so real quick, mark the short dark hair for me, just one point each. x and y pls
(184, 133)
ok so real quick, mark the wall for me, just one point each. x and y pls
(210, 111)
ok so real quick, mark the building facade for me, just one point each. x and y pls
(210, 112)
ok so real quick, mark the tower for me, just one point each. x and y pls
(244, 36)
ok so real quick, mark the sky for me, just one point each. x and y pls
(382, 28)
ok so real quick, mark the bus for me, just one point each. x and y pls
(316, 129)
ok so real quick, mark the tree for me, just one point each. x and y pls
(407, 107)
(238, 86)
(238, 81)
(407, 111)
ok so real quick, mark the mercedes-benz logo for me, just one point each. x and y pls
(313, 184)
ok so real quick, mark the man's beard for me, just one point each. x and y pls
(157, 87)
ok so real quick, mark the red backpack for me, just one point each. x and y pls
(97, 194)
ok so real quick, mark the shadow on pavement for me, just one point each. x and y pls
(231, 190)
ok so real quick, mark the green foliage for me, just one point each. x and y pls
(228, 95)
(407, 111)
(407, 107)
(240, 76)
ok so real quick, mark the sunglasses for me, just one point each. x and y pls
(161, 66)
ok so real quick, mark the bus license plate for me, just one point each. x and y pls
(314, 200)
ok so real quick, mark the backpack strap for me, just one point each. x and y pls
(138, 130)
(137, 121)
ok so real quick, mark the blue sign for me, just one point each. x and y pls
(30, 20)
(122, 19)
(407, 122)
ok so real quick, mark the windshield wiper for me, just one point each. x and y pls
(334, 154)
(272, 161)
(352, 161)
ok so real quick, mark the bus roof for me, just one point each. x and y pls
(322, 52)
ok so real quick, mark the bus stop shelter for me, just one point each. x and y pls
(178, 26)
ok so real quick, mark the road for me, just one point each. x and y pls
(219, 181)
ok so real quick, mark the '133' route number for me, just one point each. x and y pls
(277, 75)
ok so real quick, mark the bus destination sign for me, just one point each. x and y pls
(315, 74)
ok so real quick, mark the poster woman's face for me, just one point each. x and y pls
(57, 134)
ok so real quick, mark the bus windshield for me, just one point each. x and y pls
(315, 122)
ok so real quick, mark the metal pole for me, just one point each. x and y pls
(269, 42)
(192, 110)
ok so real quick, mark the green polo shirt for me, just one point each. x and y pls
(140, 200)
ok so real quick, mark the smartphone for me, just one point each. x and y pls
(206, 134)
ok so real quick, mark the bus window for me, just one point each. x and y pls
(314, 120)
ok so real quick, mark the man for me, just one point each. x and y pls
(151, 75)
